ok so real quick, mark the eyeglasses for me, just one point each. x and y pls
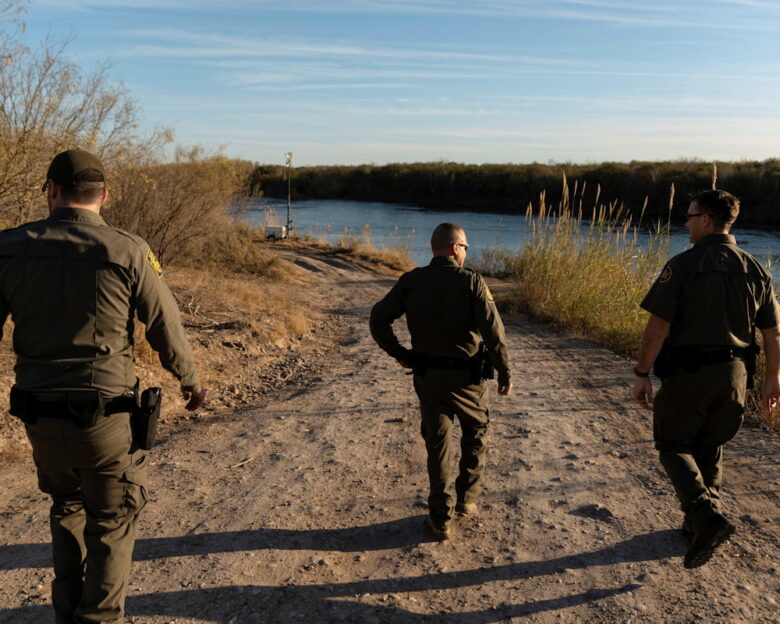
(464, 245)
(690, 215)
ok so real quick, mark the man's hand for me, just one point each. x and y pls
(404, 363)
(505, 390)
(195, 399)
(770, 394)
(770, 391)
(643, 392)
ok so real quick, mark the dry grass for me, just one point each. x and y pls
(589, 278)
(233, 247)
(394, 256)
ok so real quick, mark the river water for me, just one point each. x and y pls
(411, 226)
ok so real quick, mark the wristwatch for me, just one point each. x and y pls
(639, 373)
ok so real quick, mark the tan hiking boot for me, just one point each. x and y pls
(439, 533)
(466, 509)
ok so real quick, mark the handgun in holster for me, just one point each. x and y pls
(145, 418)
(487, 371)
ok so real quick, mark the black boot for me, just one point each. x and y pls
(710, 530)
(687, 528)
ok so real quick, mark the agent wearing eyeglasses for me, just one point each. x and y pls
(704, 309)
(450, 313)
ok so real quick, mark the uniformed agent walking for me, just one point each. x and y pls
(705, 307)
(448, 309)
(73, 286)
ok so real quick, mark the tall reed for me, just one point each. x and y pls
(585, 273)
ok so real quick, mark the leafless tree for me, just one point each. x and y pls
(47, 105)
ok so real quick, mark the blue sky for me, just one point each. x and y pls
(377, 81)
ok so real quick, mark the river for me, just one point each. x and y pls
(411, 226)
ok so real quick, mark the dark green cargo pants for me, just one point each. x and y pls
(444, 395)
(694, 415)
(97, 487)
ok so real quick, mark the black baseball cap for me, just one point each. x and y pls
(67, 167)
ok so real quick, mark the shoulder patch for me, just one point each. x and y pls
(488, 294)
(154, 263)
(666, 275)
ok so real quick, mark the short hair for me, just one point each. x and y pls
(80, 194)
(444, 235)
(722, 206)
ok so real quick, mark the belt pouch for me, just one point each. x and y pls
(20, 406)
(85, 407)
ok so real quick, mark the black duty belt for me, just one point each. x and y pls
(60, 408)
(60, 404)
(444, 363)
(721, 356)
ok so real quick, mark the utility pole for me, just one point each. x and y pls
(288, 164)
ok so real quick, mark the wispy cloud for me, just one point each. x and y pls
(242, 53)
(701, 14)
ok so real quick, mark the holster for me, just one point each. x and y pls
(665, 363)
(750, 357)
(144, 418)
(486, 370)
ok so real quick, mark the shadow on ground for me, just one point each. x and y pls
(350, 601)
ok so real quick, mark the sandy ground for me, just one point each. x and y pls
(309, 506)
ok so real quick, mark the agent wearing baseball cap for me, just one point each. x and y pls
(73, 286)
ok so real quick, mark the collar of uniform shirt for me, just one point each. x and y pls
(444, 260)
(716, 239)
(64, 213)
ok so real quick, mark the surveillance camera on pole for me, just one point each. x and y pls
(288, 163)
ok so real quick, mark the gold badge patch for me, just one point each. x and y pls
(666, 275)
(154, 263)
(488, 294)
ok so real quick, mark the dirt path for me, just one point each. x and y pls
(309, 507)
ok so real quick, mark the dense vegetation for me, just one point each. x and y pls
(512, 187)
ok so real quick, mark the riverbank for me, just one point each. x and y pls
(396, 225)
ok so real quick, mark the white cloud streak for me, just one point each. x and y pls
(662, 13)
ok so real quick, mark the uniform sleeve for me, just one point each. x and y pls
(664, 295)
(157, 309)
(491, 329)
(767, 315)
(383, 314)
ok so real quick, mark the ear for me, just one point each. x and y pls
(105, 197)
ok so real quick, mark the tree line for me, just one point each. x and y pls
(639, 186)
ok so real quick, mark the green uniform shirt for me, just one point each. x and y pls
(713, 294)
(447, 309)
(73, 286)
